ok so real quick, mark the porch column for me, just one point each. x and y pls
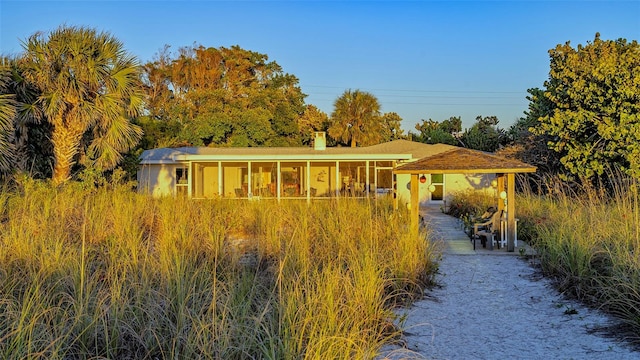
(278, 181)
(190, 179)
(394, 181)
(500, 188)
(308, 182)
(415, 203)
(511, 212)
(249, 181)
(367, 186)
(220, 190)
(338, 180)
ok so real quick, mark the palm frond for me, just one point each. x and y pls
(7, 113)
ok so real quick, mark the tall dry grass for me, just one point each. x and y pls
(107, 273)
(589, 243)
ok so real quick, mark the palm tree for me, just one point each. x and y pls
(89, 89)
(25, 137)
(356, 118)
(7, 113)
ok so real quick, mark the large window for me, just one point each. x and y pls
(292, 179)
(235, 179)
(384, 177)
(205, 180)
(352, 178)
(182, 181)
(264, 179)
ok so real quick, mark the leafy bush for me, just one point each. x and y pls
(470, 203)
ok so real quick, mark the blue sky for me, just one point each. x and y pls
(421, 59)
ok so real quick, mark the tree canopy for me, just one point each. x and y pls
(434, 132)
(224, 97)
(311, 120)
(484, 135)
(24, 138)
(530, 147)
(356, 119)
(391, 127)
(594, 120)
(7, 113)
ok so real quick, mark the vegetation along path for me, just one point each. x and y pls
(494, 304)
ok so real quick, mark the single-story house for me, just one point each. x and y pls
(300, 172)
(412, 172)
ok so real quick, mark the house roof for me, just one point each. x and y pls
(437, 158)
(417, 150)
(464, 161)
(393, 150)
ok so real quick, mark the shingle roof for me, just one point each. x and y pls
(415, 149)
(461, 160)
(437, 158)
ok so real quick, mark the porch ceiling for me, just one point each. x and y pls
(464, 161)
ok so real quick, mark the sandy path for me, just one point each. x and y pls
(497, 306)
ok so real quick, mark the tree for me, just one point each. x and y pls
(484, 135)
(7, 113)
(528, 146)
(595, 120)
(452, 125)
(222, 97)
(89, 88)
(445, 132)
(531, 148)
(24, 140)
(356, 119)
(391, 129)
(311, 120)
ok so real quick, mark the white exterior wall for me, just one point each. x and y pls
(452, 184)
(322, 176)
(157, 179)
(403, 184)
(460, 182)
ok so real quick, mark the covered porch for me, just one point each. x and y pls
(466, 161)
(290, 177)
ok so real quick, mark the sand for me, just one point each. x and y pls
(493, 306)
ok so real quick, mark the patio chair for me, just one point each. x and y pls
(487, 214)
(487, 229)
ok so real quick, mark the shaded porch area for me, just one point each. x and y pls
(466, 161)
(279, 179)
(449, 231)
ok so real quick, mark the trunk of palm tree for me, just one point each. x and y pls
(65, 142)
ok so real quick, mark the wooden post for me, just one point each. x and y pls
(394, 179)
(500, 189)
(415, 203)
(511, 212)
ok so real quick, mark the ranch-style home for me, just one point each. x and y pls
(317, 172)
